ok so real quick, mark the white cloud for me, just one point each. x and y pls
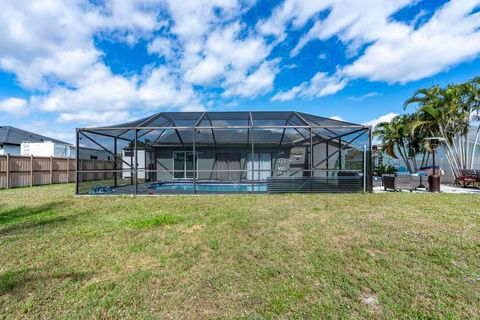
(338, 118)
(130, 19)
(451, 36)
(228, 62)
(206, 71)
(163, 89)
(95, 118)
(256, 83)
(195, 18)
(45, 39)
(395, 51)
(363, 96)
(100, 90)
(351, 23)
(321, 84)
(296, 12)
(14, 106)
(384, 118)
(106, 98)
(162, 47)
(48, 42)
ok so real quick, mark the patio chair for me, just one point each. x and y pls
(468, 177)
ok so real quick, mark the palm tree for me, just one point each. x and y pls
(447, 112)
(398, 142)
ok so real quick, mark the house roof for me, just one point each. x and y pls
(15, 136)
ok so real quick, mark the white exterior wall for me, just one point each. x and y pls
(126, 173)
(44, 149)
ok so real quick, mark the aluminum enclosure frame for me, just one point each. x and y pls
(142, 127)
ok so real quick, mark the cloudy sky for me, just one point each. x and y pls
(73, 63)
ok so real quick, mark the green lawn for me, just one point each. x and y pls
(394, 255)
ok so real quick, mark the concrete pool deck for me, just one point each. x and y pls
(444, 189)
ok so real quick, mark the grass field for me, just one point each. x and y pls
(393, 255)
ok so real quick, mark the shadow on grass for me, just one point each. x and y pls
(24, 213)
(23, 218)
(15, 279)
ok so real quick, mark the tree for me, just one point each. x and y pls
(448, 112)
(397, 140)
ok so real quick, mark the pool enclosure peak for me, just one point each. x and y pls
(230, 118)
(225, 151)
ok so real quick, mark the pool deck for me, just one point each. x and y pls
(444, 189)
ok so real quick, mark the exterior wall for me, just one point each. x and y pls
(142, 164)
(285, 161)
(207, 156)
(39, 149)
(49, 149)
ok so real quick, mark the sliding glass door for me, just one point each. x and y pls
(262, 166)
(183, 164)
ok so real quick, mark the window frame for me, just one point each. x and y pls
(184, 165)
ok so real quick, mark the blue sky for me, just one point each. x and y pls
(67, 64)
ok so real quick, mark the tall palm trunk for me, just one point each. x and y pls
(404, 158)
(474, 147)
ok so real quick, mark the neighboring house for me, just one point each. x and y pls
(11, 140)
(91, 154)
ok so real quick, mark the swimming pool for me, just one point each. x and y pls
(209, 187)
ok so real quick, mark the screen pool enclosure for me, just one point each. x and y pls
(224, 152)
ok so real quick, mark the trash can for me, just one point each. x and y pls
(434, 183)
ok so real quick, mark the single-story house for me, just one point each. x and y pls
(11, 140)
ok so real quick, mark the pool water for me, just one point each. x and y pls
(210, 187)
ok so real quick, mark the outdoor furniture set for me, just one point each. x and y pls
(404, 181)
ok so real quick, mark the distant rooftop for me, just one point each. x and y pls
(15, 136)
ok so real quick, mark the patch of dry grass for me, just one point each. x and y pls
(389, 255)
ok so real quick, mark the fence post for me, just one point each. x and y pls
(364, 168)
(68, 169)
(51, 169)
(94, 165)
(31, 170)
(8, 171)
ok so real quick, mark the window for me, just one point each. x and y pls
(93, 157)
(183, 164)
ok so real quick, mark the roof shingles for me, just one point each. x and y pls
(15, 136)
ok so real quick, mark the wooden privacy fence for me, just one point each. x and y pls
(23, 171)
